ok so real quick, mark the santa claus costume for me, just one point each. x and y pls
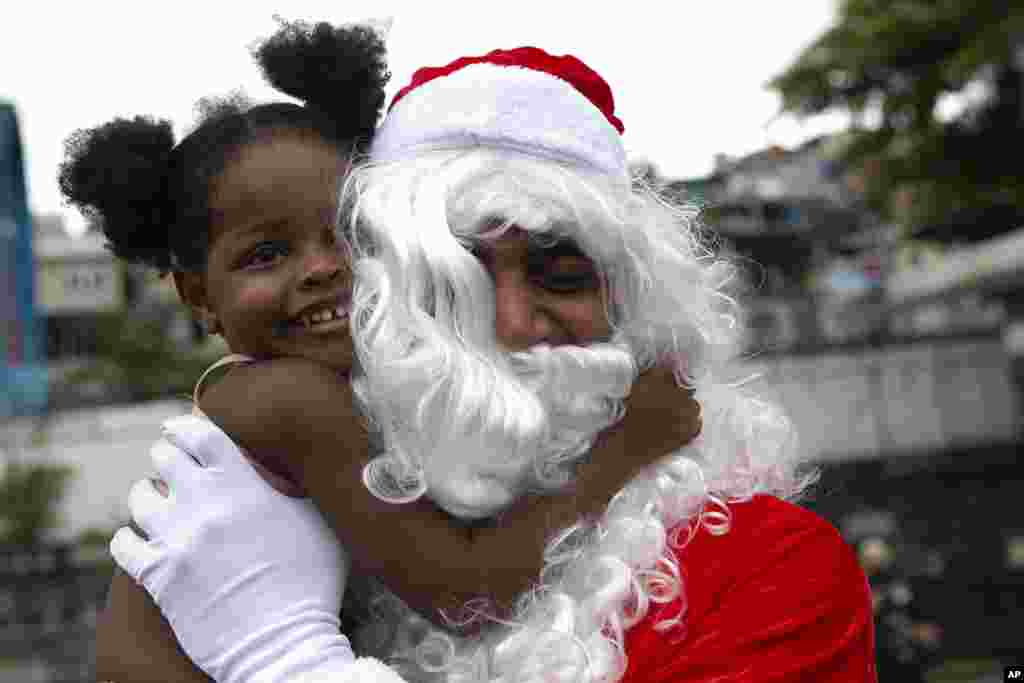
(699, 570)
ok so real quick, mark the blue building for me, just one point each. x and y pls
(22, 370)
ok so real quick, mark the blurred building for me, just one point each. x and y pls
(82, 291)
(900, 359)
(78, 284)
(23, 383)
(793, 221)
(77, 280)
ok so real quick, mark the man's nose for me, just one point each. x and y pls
(520, 320)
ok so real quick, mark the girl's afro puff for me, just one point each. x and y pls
(115, 175)
(340, 71)
(151, 198)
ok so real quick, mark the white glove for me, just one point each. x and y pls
(249, 579)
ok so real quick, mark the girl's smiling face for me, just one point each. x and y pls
(277, 281)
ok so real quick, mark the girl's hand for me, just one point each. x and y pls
(250, 580)
(661, 416)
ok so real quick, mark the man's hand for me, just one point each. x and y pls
(250, 580)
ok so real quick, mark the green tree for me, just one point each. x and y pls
(137, 360)
(899, 58)
(30, 495)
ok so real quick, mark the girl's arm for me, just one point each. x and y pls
(135, 644)
(303, 414)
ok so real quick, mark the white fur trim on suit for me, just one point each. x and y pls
(508, 107)
(362, 670)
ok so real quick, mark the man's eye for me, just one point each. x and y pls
(264, 254)
(567, 282)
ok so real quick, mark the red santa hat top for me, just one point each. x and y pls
(523, 100)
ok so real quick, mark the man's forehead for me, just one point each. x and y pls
(554, 240)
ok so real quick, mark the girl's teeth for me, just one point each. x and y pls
(324, 316)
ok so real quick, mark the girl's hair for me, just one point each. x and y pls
(423, 317)
(150, 197)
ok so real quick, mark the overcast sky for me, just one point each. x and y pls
(688, 77)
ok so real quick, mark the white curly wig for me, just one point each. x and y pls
(473, 426)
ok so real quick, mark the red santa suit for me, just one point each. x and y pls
(779, 598)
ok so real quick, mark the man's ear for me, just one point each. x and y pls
(192, 291)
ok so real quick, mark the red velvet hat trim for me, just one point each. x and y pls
(566, 67)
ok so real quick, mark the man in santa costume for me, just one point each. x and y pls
(497, 230)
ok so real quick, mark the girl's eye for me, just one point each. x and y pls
(264, 254)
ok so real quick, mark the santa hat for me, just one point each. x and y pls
(522, 100)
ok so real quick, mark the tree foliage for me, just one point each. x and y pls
(901, 60)
(137, 360)
(30, 497)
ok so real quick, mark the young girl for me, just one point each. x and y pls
(243, 212)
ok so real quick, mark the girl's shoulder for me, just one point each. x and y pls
(216, 371)
(264, 403)
(269, 407)
(241, 372)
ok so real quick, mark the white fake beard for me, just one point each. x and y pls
(568, 394)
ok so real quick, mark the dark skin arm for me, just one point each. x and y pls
(308, 406)
(317, 434)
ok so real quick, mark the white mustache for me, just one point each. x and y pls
(573, 392)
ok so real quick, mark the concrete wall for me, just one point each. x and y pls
(915, 399)
(109, 449)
